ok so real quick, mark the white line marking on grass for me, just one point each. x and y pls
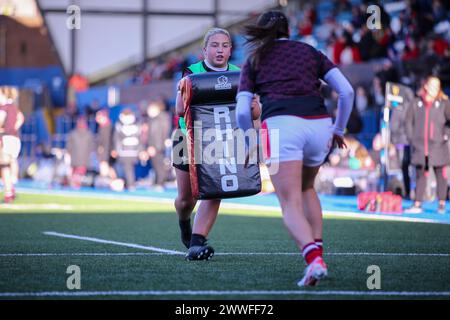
(123, 244)
(394, 254)
(222, 293)
(30, 206)
(83, 254)
(381, 217)
(113, 254)
(166, 251)
(337, 254)
(99, 195)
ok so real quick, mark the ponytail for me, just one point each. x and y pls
(261, 36)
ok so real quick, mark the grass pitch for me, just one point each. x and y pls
(256, 259)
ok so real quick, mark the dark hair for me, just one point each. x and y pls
(261, 36)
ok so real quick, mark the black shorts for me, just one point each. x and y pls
(179, 160)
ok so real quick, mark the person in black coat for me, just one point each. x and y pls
(426, 126)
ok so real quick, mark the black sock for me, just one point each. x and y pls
(197, 240)
(185, 224)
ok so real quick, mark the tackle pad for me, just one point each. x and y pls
(214, 144)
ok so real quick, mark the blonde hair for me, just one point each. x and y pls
(441, 95)
(10, 93)
(213, 31)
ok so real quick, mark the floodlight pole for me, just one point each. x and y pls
(144, 31)
(385, 138)
(216, 13)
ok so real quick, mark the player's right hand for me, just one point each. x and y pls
(339, 141)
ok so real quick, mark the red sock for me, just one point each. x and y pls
(310, 252)
(319, 243)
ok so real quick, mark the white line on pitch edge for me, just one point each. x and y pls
(239, 206)
(117, 243)
(221, 293)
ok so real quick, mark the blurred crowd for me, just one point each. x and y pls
(411, 30)
(415, 28)
(100, 152)
(120, 152)
(160, 69)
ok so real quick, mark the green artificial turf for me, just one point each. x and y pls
(236, 232)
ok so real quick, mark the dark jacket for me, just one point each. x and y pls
(80, 145)
(426, 129)
(398, 118)
(158, 131)
(104, 140)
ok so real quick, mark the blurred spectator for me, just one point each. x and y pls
(355, 124)
(358, 18)
(11, 119)
(80, 145)
(367, 44)
(411, 50)
(330, 100)
(378, 146)
(382, 39)
(338, 45)
(399, 137)
(305, 27)
(104, 140)
(377, 93)
(127, 146)
(430, 57)
(325, 29)
(78, 82)
(354, 157)
(423, 16)
(426, 127)
(92, 109)
(350, 53)
(158, 124)
(440, 45)
(310, 13)
(361, 100)
(439, 11)
(387, 72)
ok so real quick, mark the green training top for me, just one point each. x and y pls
(200, 67)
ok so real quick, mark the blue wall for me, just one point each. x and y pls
(52, 77)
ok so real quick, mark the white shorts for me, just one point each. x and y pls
(294, 138)
(11, 146)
